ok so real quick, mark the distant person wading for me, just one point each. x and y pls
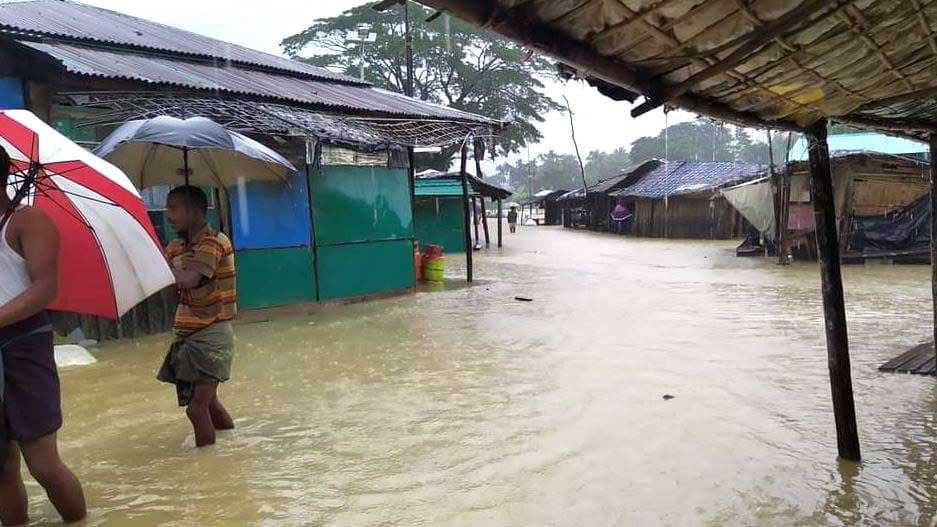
(512, 219)
(200, 357)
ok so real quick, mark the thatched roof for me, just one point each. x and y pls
(780, 63)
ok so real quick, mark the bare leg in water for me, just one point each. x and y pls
(219, 415)
(45, 465)
(207, 414)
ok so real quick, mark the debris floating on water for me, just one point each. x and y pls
(523, 299)
(668, 397)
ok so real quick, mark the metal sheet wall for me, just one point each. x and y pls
(11, 93)
(363, 224)
(439, 221)
(271, 215)
(365, 268)
(357, 204)
(275, 277)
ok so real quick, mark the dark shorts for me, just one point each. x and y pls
(32, 404)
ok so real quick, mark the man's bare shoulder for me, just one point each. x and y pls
(33, 221)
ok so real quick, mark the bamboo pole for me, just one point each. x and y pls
(834, 308)
(466, 216)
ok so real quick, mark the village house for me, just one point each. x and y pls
(343, 228)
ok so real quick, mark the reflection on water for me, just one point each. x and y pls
(465, 407)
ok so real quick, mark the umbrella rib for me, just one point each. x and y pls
(78, 217)
(46, 185)
(211, 165)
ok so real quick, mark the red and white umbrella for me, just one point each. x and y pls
(110, 258)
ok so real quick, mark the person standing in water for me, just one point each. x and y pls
(512, 219)
(32, 412)
(202, 259)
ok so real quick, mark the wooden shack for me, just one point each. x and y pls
(882, 207)
(681, 199)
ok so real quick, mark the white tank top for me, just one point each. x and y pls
(13, 276)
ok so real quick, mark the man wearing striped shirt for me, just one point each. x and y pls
(202, 259)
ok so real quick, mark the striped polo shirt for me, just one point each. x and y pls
(210, 254)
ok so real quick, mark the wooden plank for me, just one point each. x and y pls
(927, 368)
(899, 361)
(919, 360)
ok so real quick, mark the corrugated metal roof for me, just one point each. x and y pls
(437, 187)
(687, 177)
(155, 69)
(479, 186)
(862, 142)
(96, 25)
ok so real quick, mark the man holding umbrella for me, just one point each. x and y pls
(32, 414)
(202, 260)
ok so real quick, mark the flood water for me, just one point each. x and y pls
(465, 407)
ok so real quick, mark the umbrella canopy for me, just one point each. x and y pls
(514, 204)
(198, 151)
(110, 258)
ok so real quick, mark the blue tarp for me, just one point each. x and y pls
(904, 230)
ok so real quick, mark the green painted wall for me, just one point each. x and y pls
(353, 204)
(363, 225)
(275, 277)
(365, 268)
(442, 225)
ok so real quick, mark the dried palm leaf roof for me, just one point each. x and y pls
(780, 63)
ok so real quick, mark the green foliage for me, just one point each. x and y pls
(455, 64)
(554, 171)
(706, 140)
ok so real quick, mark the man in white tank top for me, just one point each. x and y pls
(31, 409)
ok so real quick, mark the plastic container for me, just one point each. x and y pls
(433, 264)
(417, 261)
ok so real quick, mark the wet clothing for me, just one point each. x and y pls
(512, 217)
(203, 356)
(210, 254)
(12, 265)
(32, 405)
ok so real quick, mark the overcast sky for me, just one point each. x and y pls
(601, 124)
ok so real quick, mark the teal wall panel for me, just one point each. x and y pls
(275, 277)
(364, 268)
(439, 221)
(355, 204)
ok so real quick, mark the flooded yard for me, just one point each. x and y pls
(466, 407)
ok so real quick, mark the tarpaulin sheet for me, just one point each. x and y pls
(904, 230)
(755, 201)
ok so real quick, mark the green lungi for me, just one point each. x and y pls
(204, 356)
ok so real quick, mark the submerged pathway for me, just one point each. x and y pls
(466, 407)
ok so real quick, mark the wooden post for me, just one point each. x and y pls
(834, 307)
(499, 223)
(465, 209)
(933, 229)
(478, 173)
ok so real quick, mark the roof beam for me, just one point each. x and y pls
(764, 35)
(523, 28)
(858, 24)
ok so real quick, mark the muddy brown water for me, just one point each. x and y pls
(466, 407)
